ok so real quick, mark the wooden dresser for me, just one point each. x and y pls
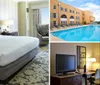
(74, 79)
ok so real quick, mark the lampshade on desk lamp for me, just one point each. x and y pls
(5, 25)
(91, 60)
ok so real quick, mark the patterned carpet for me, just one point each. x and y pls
(36, 72)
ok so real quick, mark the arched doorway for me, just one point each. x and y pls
(71, 20)
(63, 19)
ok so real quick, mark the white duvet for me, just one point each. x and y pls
(13, 47)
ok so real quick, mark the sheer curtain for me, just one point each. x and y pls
(36, 20)
(39, 16)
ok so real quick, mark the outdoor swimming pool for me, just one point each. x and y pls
(84, 33)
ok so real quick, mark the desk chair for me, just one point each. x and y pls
(95, 80)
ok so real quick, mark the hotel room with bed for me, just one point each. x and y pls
(21, 50)
(16, 52)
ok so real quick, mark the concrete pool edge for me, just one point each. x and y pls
(63, 28)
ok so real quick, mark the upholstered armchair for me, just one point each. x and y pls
(43, 34)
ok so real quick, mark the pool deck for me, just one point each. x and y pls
(54, 39)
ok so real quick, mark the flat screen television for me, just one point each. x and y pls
(65, 63)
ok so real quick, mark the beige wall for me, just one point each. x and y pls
(66, 48)
(96, 54)
(88, 17)
(8, 11)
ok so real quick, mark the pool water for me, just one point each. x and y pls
(84, 33)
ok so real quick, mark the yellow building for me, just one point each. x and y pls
(64, 14)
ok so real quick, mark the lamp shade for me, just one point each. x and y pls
(91, 60)
(6, 22)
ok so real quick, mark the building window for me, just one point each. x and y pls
(54, 23)
(76, 17)
(65, 10)
(61, 8)
(73, 11)
(54, 7)
(70, 11)
(83, 18)
(76, 22)
(54, 15)
(63, 22)
(71, 22)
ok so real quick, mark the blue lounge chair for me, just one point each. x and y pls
(56, 26)
(66, 24)
(62, 26)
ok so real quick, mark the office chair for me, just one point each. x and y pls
(95, 80)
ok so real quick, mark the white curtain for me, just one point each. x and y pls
(36, 20)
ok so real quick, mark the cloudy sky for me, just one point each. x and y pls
(92, 5)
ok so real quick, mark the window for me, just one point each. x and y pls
(70, 11)
(54, 7)
(76, 22)
(77, 13)
(63, 22)
(54, 23)
(73, 11)
(54, 15)
(71, 22)
(83, 18)
(44, 12)
(65, 10)
(61, 8)
(76, 17)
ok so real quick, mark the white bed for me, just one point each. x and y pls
(13, 47)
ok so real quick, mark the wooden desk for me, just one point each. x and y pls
(87, 75)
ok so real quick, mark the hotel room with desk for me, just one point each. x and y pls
(75, 64)
(22, 50)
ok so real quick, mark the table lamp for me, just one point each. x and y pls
(5, 25)
(91, 60)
